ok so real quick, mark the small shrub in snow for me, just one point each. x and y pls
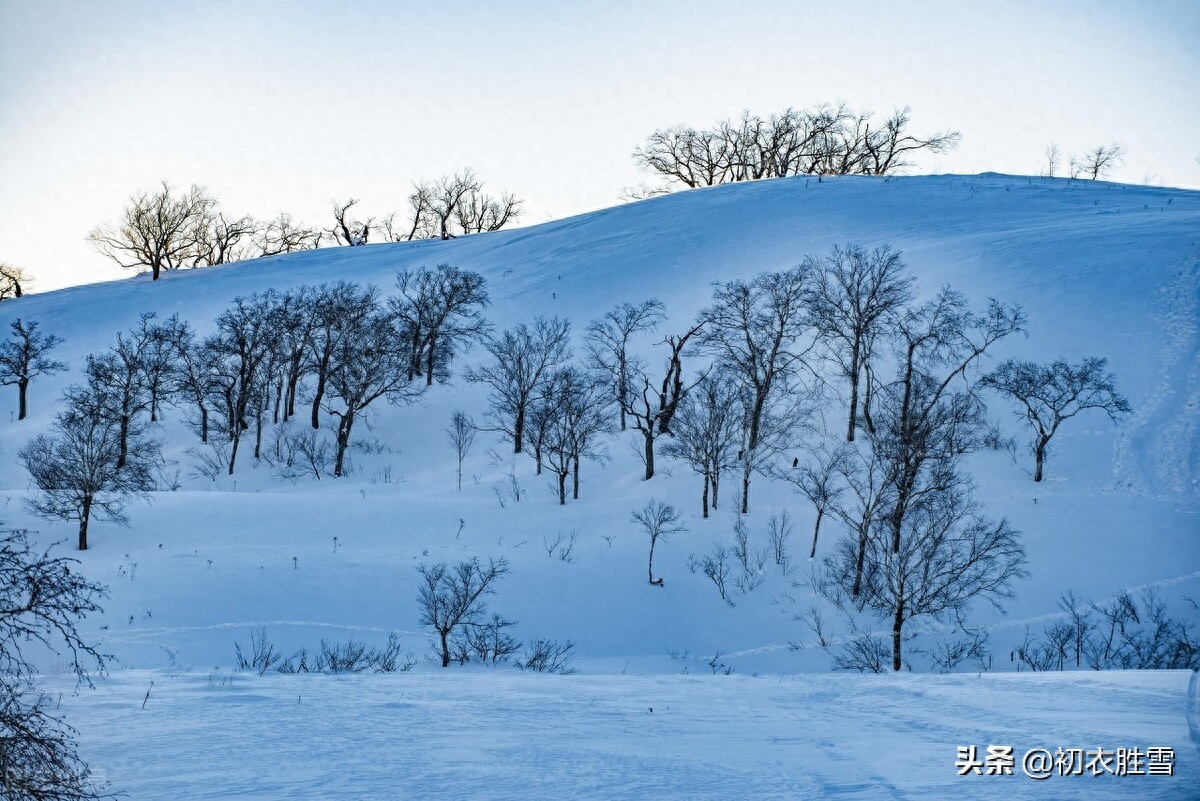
(548, 656)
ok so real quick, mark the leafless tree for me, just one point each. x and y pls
(1053, 159)
(439, 312)
(760, 332)
(578, 405)
(241, 348)
(707, 430)
(366, 366)
(23, 357)
(42, 600)
(75, 468)
(652, 404)
(862, 507)
(345, 229)
(14, 281)
(853, 298)
(195, 375)
(218, 238)
(607, 344)
(156, 230)
(659, 521)
(335, 304)
(828, 139)
(284, 235)
(447, 196)
(461, 434)
(1098, 161)
(1051, 394)
(479, 212)
(524, 358)
(453, 598)
(927, 421)
(818, 478)
(949, 557)
(889, 147)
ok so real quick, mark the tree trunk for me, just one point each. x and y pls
(746, 485)
(83, 522)
(278, 404)
(22, 389)
(258, 427)
(704, 497)
(897, 626)
(460, 475)
(866, 404)
(429, 362)
(863, 531)
(716, 485)
(153, 406)
(648, 433)
(445, 648)
(562, 488)
(203, 423)
(575, 480)
(853, 424)
(316, 407)
(816, 532)
(343, 441)
(1040, 452)
(519, 430)
(124, 441)
(237, 439)
(651, 566)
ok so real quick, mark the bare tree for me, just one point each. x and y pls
(577, 404)
(1053, 159)
(1098, 161)
(23, 357)
(447, 196)
(852, 300)
(345, 229)
(950, 556)
(607, 344)
(14, 281)
(1050, 394)
(285, 235)
(335, 304)
(759, 332)
(478, 212)
(452, 598)
(928, 423)
(241, 348)
(220, 239)
(659, 521)
(653, 404)
(365, 367)
(523, 357)
(156, 230)
(195, 376)
(889, 147)
(42, 600)
(461, 434)
(818, 478)
(75, 466)
(707, 428)
(861, 508)
(827, 139)
(439, 312)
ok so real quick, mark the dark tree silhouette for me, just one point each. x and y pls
(452, 598)
(1050, 394)
(23, 358)
(523, 359)
(438, 312)
(607, 344)
(75, 466)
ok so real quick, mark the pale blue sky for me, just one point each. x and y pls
(285, 106)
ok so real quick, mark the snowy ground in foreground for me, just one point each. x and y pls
(502, 734)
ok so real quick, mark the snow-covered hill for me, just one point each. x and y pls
(1100, 269)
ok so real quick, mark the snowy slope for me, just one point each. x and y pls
(1100, 269)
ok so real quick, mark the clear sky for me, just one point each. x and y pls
(284, 106)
